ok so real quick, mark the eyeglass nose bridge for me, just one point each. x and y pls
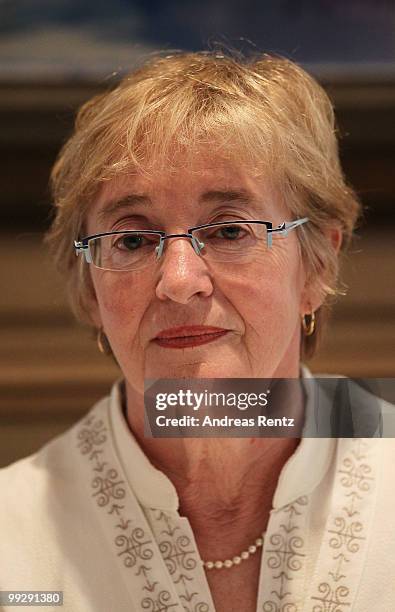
(196, 243)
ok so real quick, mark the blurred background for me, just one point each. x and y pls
(55, 54)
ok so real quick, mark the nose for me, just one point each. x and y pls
(182, 273)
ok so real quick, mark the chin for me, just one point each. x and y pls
(196, 369)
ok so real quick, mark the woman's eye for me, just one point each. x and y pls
(230, 232)
(130, 243)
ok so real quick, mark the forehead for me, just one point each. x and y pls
(201, 179)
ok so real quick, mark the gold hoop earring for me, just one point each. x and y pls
(309, 324)
(103, 343)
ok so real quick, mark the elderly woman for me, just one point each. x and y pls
(206, 202)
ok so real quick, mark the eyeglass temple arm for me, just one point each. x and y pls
(287, 226)
(80, 247)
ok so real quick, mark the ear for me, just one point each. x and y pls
(312, 295)
(335, 235)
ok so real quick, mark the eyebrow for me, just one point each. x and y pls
(215, 196)
(121, 204)
(220, 196)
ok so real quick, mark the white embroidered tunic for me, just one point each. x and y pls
(89, 515)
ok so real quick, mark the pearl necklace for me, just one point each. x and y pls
(238, 558)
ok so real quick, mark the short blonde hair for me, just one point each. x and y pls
(265, 112)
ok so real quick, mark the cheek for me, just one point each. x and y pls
(268, 296)
(120, 305)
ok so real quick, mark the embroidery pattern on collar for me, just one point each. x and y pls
(131, 543)
(284, 556)
(347, 528)
(181, 558)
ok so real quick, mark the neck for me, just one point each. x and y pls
(221, 482)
